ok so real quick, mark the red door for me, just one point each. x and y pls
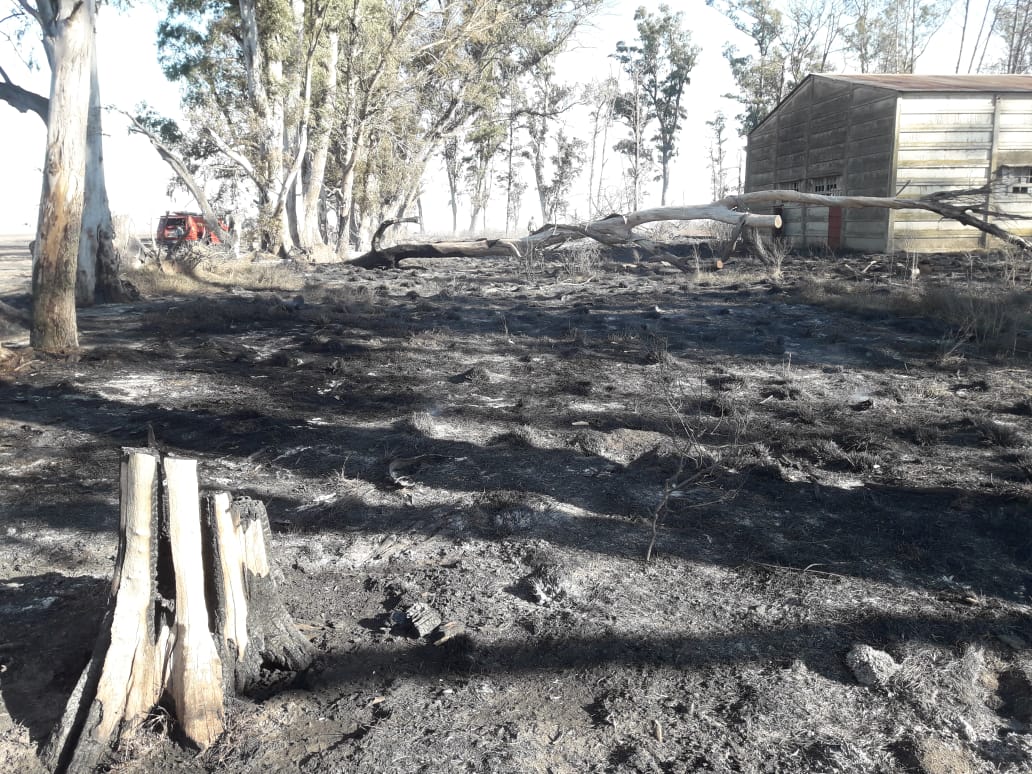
(834, 227)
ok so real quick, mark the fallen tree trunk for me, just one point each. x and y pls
(612, 230)
(618, 230)
(382, 229)
(184, 567)
(937, 203)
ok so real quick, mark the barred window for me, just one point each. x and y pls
(1017, 179)
(830, 185)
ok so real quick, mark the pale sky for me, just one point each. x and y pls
(138, 179)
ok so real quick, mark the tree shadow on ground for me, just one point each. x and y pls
(54, 621)
(901, 535)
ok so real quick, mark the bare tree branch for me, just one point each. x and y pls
(23, 100)
(237, 158)
(183, 172)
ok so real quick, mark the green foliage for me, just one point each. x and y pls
(166, 129)
(761, 77)
(409, 75)
(790, 40)
(658, 68)
(889, 36)
(568, 156)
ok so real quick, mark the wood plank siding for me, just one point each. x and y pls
(883, 135)
(827, 137)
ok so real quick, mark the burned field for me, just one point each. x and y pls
(831, 471)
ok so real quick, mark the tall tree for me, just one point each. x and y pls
(864, 38)
(906, 30)
(1013, 26)
(549, 101)
(485, 139)
(632, 109)
(68, 30)
(306, 96)
(248, 69)
(760, 76)
(98, 263)
(718, 156)
(453, 172)
(97, 268)
(565, 161)
(786, 46)
(667, 57)
(600, 96)
(511, 176)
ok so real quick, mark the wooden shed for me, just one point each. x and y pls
(889, 135)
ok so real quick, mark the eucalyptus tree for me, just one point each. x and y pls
(906, 29)
(760, 73)
(305, 96)
(514, 150)
(600, 96)
(631, 108)
(1012, 23)
(247, 70)
(453, 172)
(96, 273)
(865, 35)
(490, 48)
(718, 156)
(485, 139)
(68, 37)
(552, 153)
(786, 45)
(667, 57)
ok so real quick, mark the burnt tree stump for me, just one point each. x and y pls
(194, 615)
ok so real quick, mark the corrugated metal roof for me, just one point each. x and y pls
(940, 83)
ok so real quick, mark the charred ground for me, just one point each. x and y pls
(495, 441)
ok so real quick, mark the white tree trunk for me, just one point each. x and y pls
(69, 32)
(97, 272)
(266, 89)
(311, 235)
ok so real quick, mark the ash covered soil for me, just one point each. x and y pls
(842, 567)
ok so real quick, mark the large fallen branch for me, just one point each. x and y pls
(613, 230)
(938, 203)
(618, 230)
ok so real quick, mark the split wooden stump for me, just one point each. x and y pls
(194, 615)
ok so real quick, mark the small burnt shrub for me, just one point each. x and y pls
(571, 385)
(920, 434)
(995, 433)
(990, 321)
(1023, 462)
(725, 382)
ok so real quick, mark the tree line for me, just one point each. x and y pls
(790, 39)
(328, 113)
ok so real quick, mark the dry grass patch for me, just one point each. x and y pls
(212, 277)
(995, 433)
(992, 321)
(989, 321)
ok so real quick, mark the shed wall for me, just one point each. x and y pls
(836, 136)
(960, 141)
(828, 137)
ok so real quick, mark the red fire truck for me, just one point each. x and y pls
(177, 227)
